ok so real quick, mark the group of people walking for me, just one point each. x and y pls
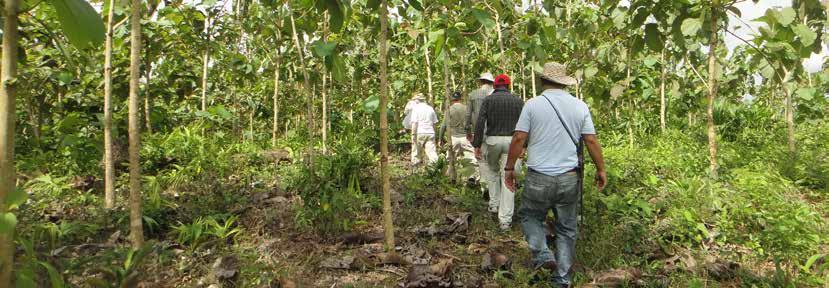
(495, 129)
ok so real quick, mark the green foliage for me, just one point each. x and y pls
(332, 191)
(80, 23)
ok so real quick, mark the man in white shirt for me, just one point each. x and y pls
(423, 119)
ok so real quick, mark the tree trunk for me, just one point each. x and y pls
(324, 116)
(532, 79)
(275, 103)
(712, 89)
(447, 115)
(109, 166)
(789, 112)
(205, 61)
(148, 68)
(136, 226)
(388, 225)
(523, 77)
(430, 99)
(662, 106)
(8, 92)
(309, 105)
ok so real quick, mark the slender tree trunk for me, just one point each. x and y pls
(205, 62)
(109, 166)
(431, 99)
(446, 116)
(789, 112)
(712, 89)
(8, 93)
(503, 57)
(324, 116)
(388, 224)
(136, 226)
(662, 106)
(275, 103)
(523, 77)
(532, 79)
(148, 66)
(309, 105)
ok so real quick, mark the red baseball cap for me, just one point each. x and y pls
(502, 80)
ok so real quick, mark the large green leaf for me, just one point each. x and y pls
(416, 5)
(324, 49)
(483, 17)
(79, 22)
(7, 222)
(338, 69)
(691, 26)
(437, 38)
(806, 35)
(806, 93)
(653, 38)
(786, 16)
(336, 14)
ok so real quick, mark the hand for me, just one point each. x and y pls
(478, 154)
(469, 137)
(601, 180)
(509, 180)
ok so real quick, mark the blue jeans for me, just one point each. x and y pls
(561, 194)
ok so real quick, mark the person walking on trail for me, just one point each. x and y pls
(457, 121)
(493, 132)
(423, 120)
(476, 97)
(554, 123)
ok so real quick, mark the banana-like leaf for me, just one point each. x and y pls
(80, 22)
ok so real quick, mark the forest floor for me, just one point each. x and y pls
(445, 237)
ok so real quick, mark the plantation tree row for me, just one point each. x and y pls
(260, 70)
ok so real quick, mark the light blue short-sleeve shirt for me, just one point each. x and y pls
(550, 150)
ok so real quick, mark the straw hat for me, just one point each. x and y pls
(486, 76)
(557, 73)
(419, 96)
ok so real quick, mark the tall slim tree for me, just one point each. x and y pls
(388, 223)
(274, 132)
(205, 61)
(309, 98)
(8, 93)
(446, 115)
(662, 102)
(712, 87)
(136, 226)
(109, 166)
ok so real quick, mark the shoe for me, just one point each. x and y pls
(549, 266)
(505, 227)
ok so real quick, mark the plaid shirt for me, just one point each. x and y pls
(499, 114)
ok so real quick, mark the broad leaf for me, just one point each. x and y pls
(806, 93)
(80, 22)
(16, 198)
(653, 38)
(7, 222)
(806, 35)
(786, 16)
(324, 49)
(416, 5)
(483, 17)
(691, 26)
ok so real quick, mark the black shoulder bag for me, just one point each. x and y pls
(579, 151)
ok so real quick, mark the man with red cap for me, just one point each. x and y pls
(496, 123)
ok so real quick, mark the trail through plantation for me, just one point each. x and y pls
(411, 143)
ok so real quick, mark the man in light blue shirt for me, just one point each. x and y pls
(553, 123)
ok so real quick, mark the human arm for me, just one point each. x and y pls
(478, 137)
(594, 148)
(516, 148)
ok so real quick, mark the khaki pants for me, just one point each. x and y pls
(463, 148)
(501, 199)
(425, 144)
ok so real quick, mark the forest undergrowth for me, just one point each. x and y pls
(221, 211)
